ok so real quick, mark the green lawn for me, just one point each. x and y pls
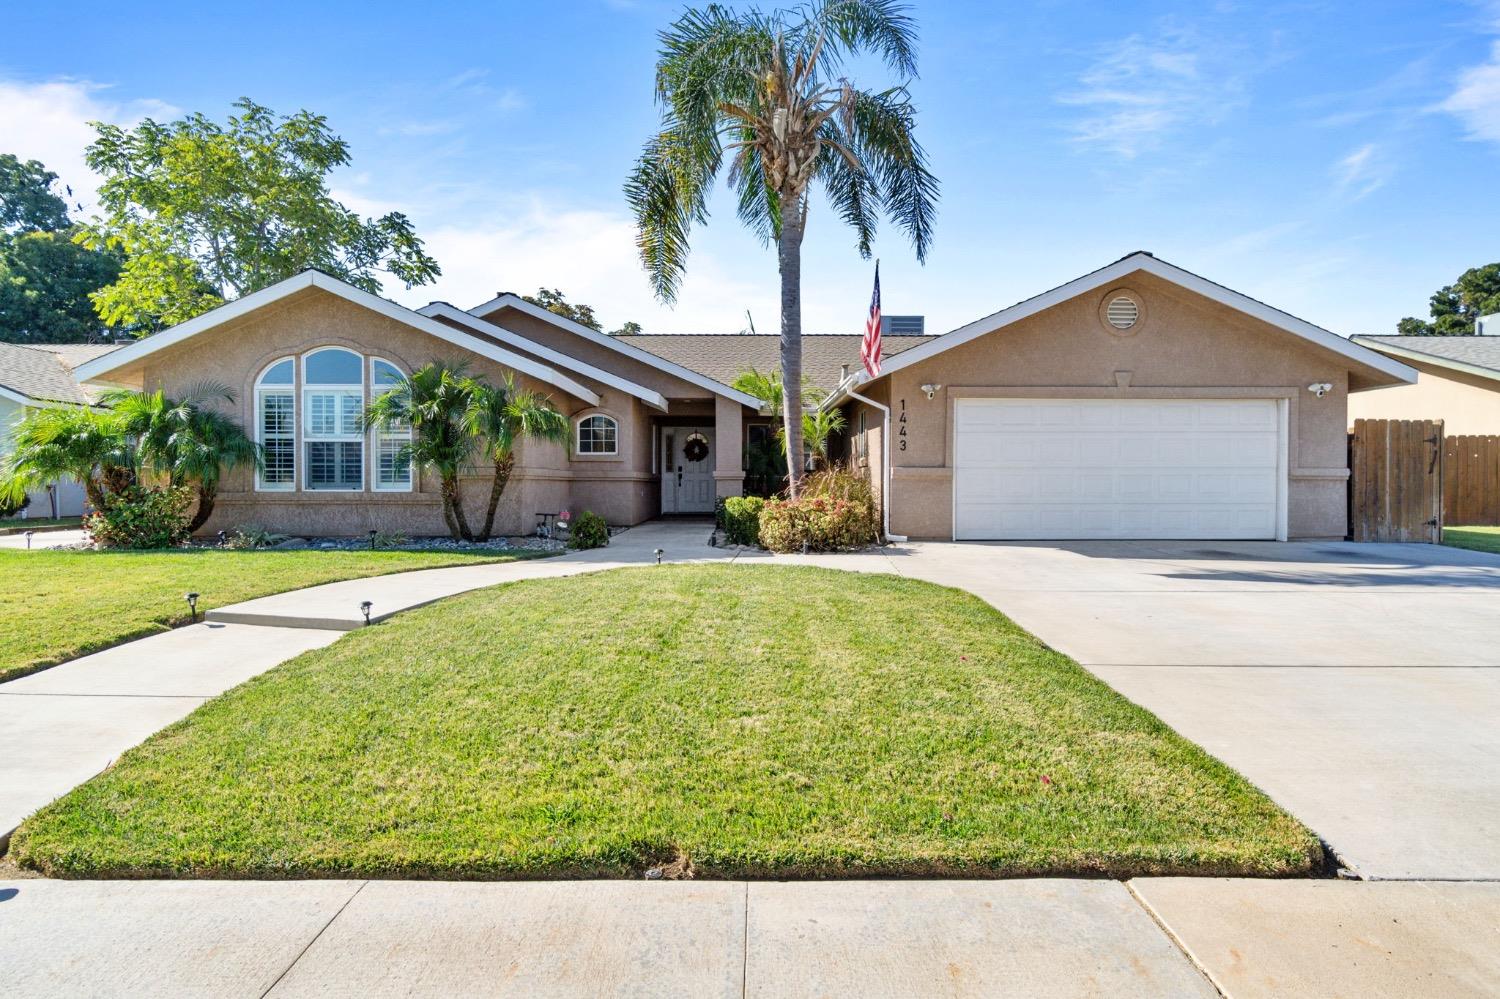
(58, 605)
(1480, 539)
(747, 720)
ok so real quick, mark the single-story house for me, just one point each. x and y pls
(1458, 382)
(34, 376)
(1137, 401)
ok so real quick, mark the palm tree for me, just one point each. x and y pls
(432, 402)
(816, 428)
(501, 415)
(185, 440)
(67, 442)
(766, 89)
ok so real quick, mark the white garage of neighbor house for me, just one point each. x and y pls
(1138, 401)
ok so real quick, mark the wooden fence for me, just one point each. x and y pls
(1395, 483)
(1471, 481)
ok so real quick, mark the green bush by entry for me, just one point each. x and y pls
(137, 517)
(589, 531)
(814, 523)
(742, 519)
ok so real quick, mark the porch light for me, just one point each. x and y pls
(192, 601)
(658, 553)
(364, 609)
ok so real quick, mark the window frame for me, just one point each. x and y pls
(339, 391)
(379, 436)
(261, 390)
(578, 425)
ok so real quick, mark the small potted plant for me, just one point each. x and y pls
(563, 520)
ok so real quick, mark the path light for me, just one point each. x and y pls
(372, 540)
(364, 609)
(28, 539)
(192, 599)
(658, 553)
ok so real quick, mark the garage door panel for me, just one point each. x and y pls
(1116, 468)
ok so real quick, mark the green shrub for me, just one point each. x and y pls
(138, 517)
(816, 523)
(589, 531)
(840, 483)
(251, 536)
(742, 519)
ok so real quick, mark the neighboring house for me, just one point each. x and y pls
(34, 376)
(1458, 382)
(1137, 401)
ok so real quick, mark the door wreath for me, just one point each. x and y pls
(696, 448)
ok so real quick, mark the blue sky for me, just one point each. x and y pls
(1339, 161)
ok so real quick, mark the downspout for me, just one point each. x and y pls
(885, 465)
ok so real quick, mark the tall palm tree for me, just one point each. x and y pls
(432, 401)
(67, 442)
(765, 91)
(500, 416)
(184, 439)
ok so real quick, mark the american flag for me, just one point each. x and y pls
(869, 347)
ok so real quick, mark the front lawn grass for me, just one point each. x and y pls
(735, 721)
(1479, 539)
(58, 605)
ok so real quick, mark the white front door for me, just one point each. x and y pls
(1116, 468)
(687, 470)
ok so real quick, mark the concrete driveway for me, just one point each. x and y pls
(1358, 685)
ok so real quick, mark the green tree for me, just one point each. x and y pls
(69, 442)
(765, 93)
(433, 402)
(817, 427)
(500, 416)
(27, 201)
(206, 212)
(555, 302)
(46, 281)
(1455, 307)
(184, 440)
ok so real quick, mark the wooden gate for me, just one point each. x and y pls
(1471, 481)
(1396, 480)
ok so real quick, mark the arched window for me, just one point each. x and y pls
(598, 434)
(333, 409)
(276, 425)
(392, 468)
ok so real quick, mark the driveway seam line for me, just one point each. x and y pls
(745, 948)
(1176, 941)
(316, 937)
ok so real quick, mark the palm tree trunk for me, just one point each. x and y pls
(453, 510)
(504, 465)
(206, 496)
(95, 493)
(789, 257)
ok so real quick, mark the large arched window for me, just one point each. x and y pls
(276, 425)
(597, 434)
(392, 467)
(333, 409)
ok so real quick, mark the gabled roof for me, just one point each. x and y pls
(101, 366)
(723, 356)
(516, 340)
(42, 373)
(1143, 261)
(618, 344)
(1475, 355)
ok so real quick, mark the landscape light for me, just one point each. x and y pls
(372, 540)
(192, 599)
(659, 553)
(222, 537)
(364, 609)
(28, 539)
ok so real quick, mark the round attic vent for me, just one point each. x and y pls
(1122, 313)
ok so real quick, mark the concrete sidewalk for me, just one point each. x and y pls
(1035, 938)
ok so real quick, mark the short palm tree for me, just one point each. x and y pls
(817, 426)
(432, 402)
(69, 442)
(501, 416)
(764, 92)
(185, 440)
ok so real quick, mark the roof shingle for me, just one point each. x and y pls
(724, 356)
(1478, 351)
(44, 371)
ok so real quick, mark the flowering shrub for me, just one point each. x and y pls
(139, 517)
(818, 523)
(741, 519)
(589, 531)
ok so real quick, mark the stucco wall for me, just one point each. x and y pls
(1184, 346)
(1467, 404)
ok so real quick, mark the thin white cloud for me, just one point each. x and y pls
(1475, 101)
(49, 121)
(1361, 173)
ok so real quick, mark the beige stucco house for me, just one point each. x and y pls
(1137, 401)
(1458, 382)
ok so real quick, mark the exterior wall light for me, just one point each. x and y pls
(1320, 389)
(364, 609)
(192, 599)
(931, 389)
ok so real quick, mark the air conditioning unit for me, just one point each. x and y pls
(903, 325)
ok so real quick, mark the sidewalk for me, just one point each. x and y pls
(1034, 938)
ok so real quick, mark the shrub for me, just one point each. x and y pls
(742, 519)
(248, 536)
(816, 523)
(390, 539)
(589, 531)
(137, 517)
(841, 483)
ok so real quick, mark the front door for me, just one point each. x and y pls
(687, 470)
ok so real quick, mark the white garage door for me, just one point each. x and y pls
(1109, 468)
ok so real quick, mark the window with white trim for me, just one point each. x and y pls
(276, 425)
(598, 434)
(389, 444)
(333, 433)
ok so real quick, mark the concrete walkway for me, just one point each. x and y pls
(1036, 938)
(43, 539)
